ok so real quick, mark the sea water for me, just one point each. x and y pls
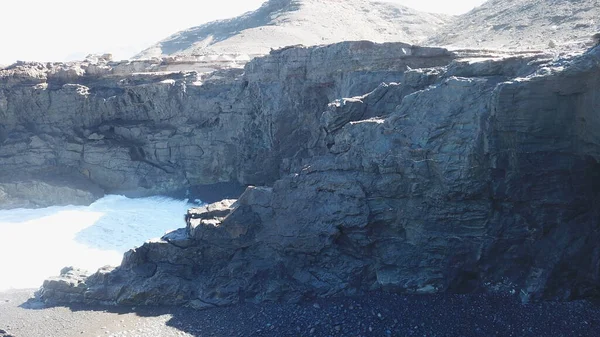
(38, 243)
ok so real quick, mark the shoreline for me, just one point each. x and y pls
(376, 314)
(22, 317)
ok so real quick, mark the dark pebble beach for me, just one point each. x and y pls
(378, 314)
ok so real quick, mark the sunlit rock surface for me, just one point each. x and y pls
(478, 172)
(139, 128)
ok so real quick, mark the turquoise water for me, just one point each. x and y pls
(36, 244)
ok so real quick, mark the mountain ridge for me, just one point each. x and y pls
(279, 23)
(522, 24)
(496, 24)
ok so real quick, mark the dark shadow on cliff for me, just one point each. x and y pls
(210, 193)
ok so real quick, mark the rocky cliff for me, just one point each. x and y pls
(142, 127)
(388, 167)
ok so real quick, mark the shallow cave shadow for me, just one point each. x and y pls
(210, 193)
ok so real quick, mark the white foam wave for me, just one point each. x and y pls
(36, 244)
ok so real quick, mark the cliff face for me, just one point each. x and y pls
(140, 128)
(463, 172)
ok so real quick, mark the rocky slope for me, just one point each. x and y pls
(463, 171)
(521, 24)
(280, 23)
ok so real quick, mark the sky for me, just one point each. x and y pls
(63, 30)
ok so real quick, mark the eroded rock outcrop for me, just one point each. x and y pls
(23, 192)
(139, 128)
(481, 175)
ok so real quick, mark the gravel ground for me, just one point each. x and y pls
(376, 315)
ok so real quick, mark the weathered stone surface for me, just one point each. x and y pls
(135, 129)
(58, 190)
(67, 288)
(450, 182)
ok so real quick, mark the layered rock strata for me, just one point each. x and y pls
(482, 174)
(139, 128)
